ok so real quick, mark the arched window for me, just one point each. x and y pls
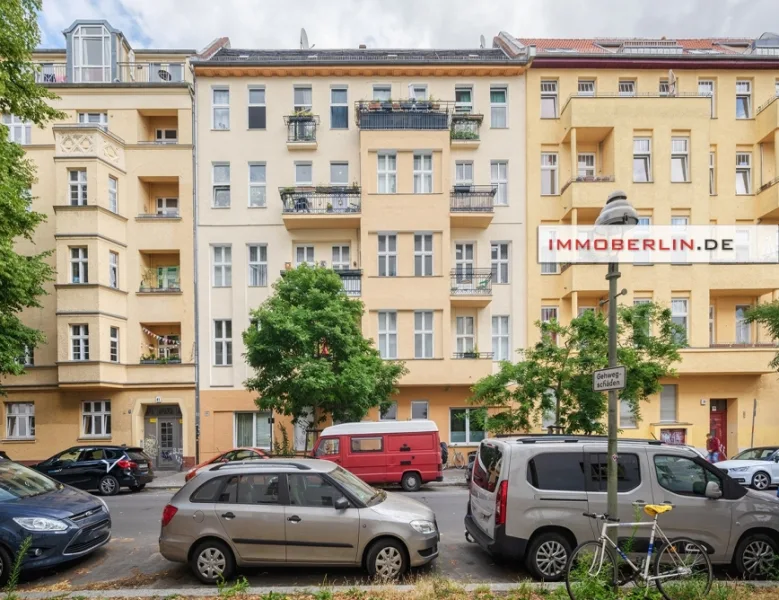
(91, 54)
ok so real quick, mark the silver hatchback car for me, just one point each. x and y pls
(295, 513)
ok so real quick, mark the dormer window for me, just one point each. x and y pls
(91, 54)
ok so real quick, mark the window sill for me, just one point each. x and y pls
(745, 118)
(222, 366)
(744, 195)
(221, 287)
(643, 181)
(220, 207)
(250, 129)
(491, 127)
(550, 118)
(551, 274)
(93, 438)
(681, 182)
(31, 440)
(250, 206)
(220, 129)
(500, 205)
(256, 286)
(550, 195)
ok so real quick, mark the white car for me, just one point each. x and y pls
(758, 467)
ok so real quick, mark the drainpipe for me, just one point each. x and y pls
(195, 219)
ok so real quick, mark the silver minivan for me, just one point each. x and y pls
(528, 494)
(293, 512)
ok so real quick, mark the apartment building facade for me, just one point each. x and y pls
(114, 179)
(689, 130)
(402, 170)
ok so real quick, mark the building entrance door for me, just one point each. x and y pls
(718, 423)
(163, 436)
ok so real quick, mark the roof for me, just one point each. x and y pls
(368, 427)
(683, 46)
(279, 464)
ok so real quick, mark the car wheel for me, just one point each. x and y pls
(109, 486)
(387, 560)
(211, 561)
(547, 556)
(5, 566)
(756, 556)
(761, 480)
(411, 481)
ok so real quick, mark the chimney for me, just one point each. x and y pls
(362, 46)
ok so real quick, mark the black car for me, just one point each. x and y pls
(103, 468)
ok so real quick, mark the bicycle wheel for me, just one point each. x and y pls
(591, 571)
(459, 460)
(684, 570)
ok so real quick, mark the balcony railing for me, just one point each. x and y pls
(173, 360)
(587, 179)
(404, 114)
(465, 126)
(138, 72)
(634, 95)
(768, 185)
(352, 281)
(301, 128)
(170, 288)
(737, 345)
(320, 199)
(465, 355)
(168, 214)
(51, 73)
(767, 103)
(472, 198)
(471, 282)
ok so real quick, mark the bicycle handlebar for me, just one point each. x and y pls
(600, 517)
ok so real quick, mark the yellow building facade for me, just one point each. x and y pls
(114, 179)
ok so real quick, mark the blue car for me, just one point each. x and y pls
(63, 523)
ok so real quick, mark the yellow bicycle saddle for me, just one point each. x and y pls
(657, 509)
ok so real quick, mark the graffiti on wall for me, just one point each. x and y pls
(151, 446)
(173, 454)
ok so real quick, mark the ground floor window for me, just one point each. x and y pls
(20, 420)
(96, 418)
(467, 425)
(254, 429)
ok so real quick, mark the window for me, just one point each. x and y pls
(548, 174)
(463, 99)
(706, 89)
(743, 173)
(28, 358)
(166, 136)
(586, 162)
(382, 93)
(712, 327)
(223, 266)
(679, 316)
(423, 173)
(78, 187)
(96, 418)
(257, 108)
(742, 246)
(367, 444)
(340, 258)
(168, 207)
(254, 429)
(628, 472)
(423, 254)
(312, 491)
(743, 99)
(387, 173)
(95, 118)
(487, 466)
(586, 87)
(683, 476)
(112, 199)
(423, 334)
(257, 192)
(499, 180)
(627, 88)
(500, 338)
(79, 342)
(220, 108)
(339, 177)
(339, 108)
(663, 89)
(304, 173)
(390, 413)
(642, 160)
(223, 342)
(113, 269)
(680, 160)
(91, 54)
(626, 417)
(463, 172)
(304, 255)
(642, 257)
(388, 334)
(548, 99)
(79, 265)
(417, 92)
(419, 409)
(258, 265)
(329, 447)
(19, 420)
(466, 425)
(498, 108)
(256, 488)
(712, 173)
(19, 131)
(500, 262)
(221, 185)
(668, 403)
(302, 99)
(388, 255)
(559, 471)
(743, 328)
(463, 262)
(169, 347)
(464, 334)
(113, 344)
(548, 314)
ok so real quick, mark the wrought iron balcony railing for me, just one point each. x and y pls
(320, 199)
(404, 114)
(466, 281)
(301, 128)
(466, 126)
(472, 198)
(472, 354)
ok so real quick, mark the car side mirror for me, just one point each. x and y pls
(341, 504)
(713, 491)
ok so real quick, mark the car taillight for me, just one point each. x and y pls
(168, 513)
(127, 464)
(500, 503)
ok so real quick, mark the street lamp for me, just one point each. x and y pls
(618, 211)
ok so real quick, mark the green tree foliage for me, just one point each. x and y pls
(22, 277)
(307, 349)
(554, 377)
(767, 315)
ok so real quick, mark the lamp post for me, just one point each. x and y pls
(618, 211)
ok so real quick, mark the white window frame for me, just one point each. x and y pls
(388, 258)
(391, 414)
(333, 104)
(93, 118)
(341, 255)
(222, 272)
(550, 163)
(499, 262)
(304, 180)
(463, 172)
(744, 173)
(497, 108)
(673, 399)
(712, 325)
(465, 340)
(79, 342)
(586, 88)
(680, 153)
(712, 173)
(99, 412)
(501, 332)
(549, 92)
(19, 130)
(418, 403)
(743, 329)
(222, 187)
(164, 209)
(113, 269)
(113, 194)
(423, 256)
(627, 88)
(387, 173)
(258, 265)
(77, 184)
(387, 334)
(500, 181)
(257, 417)
(22, 415)
(707, 89)
(680, 224)
(744, 92)
(113, 344)
(249, 104)
(664, 88)
(307, 255)
(161, 135)
(79, 261)
(385, 91)
(414, 90)
(221, 107)
(680, 314)
(644, 155)
(82, 71)
(425, 334)
(642, 230)
(468, 441)
(423, 173)
(586, 168)
(627, 420)
(302, 106)
(224, 341)
(460, 106)
(258, 184)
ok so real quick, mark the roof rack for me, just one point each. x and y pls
(571, 439)
(261, 463)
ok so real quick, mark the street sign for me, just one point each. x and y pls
(609, 379)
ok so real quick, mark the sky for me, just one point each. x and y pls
(404, 23)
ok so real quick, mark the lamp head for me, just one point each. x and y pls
(618, 211)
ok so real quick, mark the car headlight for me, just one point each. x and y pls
(424, 527)
(41, 524)
(738, 470)
(105, 506)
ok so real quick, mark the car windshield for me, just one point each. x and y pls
(357, 487)
(17, 482)
(755, 454)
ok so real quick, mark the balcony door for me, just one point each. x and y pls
(463, 261)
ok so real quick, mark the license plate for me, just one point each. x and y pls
(96, 533)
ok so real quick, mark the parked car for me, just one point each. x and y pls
(758, 467)
(528, 495)
(102, 468)
(469, 466)
(404, 452)
(4, 455)
(293, 512)
(229, 456)
(64, 523)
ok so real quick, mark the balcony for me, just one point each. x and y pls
(726, 359)
(585, 193)
(321, 207)
(767, 119)
(465, 130)
(470, 287)
(403, 114)
(352, 281)
(301, 131)
(471, 355)
(768, 200)
(161, 344)
(137, 72)
(440, 371)
(472, 205)
(582, 278)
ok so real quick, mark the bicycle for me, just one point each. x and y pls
(682, 567)
(458, 461)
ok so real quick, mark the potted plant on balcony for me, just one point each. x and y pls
(462, 188)
(149, 358)
(374, 105)
(302, 114)
(434, 103)
(407, 104)
(472, 353)
(395, 104)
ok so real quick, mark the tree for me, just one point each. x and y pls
(554, 376)
(21, 277)
(308, 351)
(767, 315)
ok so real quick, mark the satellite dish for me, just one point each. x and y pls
(303, 39)
(483, 42)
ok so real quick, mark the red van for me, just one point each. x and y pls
(404, 452)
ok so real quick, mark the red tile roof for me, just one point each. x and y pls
(611, 45)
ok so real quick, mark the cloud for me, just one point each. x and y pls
(403, 23)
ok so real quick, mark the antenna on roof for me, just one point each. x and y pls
(303, 39)
(482, 41)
